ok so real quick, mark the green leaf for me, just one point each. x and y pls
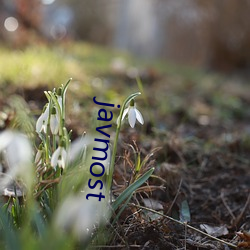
(10, 236)
(128, 191)
(65, 87)
(39, 222)
(122, 209)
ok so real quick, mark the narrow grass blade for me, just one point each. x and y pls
(122, 209)
(128, 191)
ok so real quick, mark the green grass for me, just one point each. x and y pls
(34, 65)
(43, 64)
(37, 65)
(90, 67)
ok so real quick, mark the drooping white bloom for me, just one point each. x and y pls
(59, 157)
(42, 122)
(17, 146)
(133, 114)
(54, 121)
(17, 152)
(79, 216)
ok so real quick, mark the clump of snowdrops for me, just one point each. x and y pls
(45, 177)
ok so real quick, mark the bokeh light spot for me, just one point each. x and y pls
(11, 24)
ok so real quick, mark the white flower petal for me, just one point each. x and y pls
(39, 123)
(44, 127)
(42, 121)
(139, 116)
(59, 158)
(125, 112)
(55, 156)
(79, 216)
(61, 163)
(18, 156)
(54, 124)
(19, 151)
(64, 154)
(63, 158)
(5, 139)
(132, 117)
(46, 113)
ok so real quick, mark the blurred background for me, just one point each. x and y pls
(212, 34)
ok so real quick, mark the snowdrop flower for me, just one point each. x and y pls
(59, 157)
(80, 216)
(42, 122)
(54, 121)
(17, 152)
(133, 114)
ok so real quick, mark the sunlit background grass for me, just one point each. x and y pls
(94, 69)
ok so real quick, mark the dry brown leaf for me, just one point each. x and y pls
(245, 236)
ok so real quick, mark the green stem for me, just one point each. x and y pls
(47, 140)
(111, 170)
(112, 164)
(54, 142)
